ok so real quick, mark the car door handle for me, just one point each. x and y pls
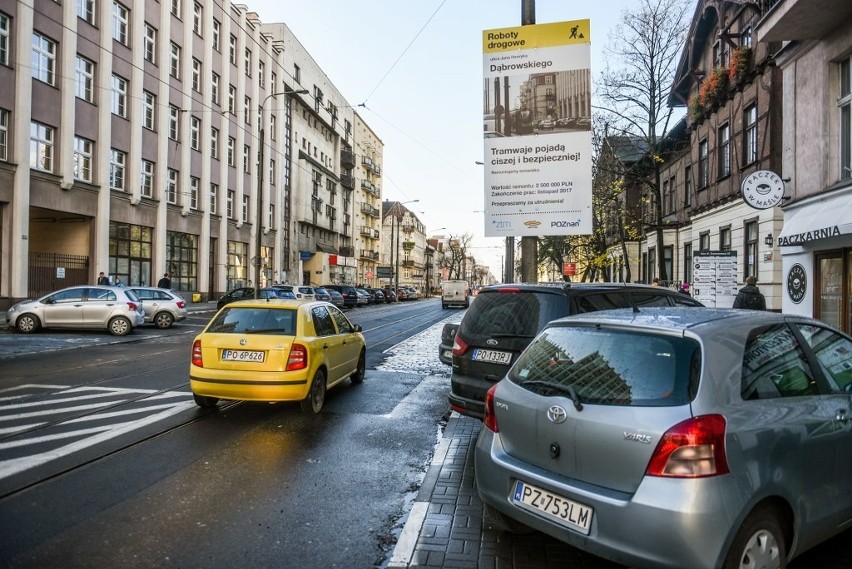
(841, 415)
(325, 346)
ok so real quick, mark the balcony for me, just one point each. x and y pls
(370, 210)
(366, 231)
(376, 234)
(369, 255)
(347, 251)
(368, 163)
(408, 245)
(347, 181)
(407, 263)
(370, 187)
(347, 159)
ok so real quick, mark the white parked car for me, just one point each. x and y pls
(111, 308)
(162, 307)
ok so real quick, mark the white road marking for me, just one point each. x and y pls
(29, 386)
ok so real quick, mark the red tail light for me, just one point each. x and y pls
(490, 420)
(197, 360)
(133, 306)
(459, 346)
(180, 304)
(509, 289)
(298, 357)
(694, 448)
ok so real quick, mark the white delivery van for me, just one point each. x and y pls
(455, 293)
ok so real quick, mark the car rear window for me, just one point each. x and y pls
(512, 313)
(240, 320)
(610, 367)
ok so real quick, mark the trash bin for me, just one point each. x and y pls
(196, 297)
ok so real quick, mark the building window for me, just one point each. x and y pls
(117, 162)
(44, 59)
(272, 172)
(273, 81)
(246, 159)
(297, 74)
(149, 110)
(4, 39)
(171, 187)
(194, 184)
(724, 149)
(214, 199)
(687, 186)
(120, 17)
(272, 127)
(750, 242)
(174, 122)
(197, 19)
(232, 49)
(85, 79)
(83, 159)
(214, 89)
(217, 34)
(86, 10)
(704, 241)
(130, 252)
(232, 158)
(195, 133)
(750, 134)
(4, 134)
(248, 62)
(41, 146)
(196, 75)
(214, 143)
(247, 109)
(174, 61)
(687, 262)
(261, 74)
(245, 208)
(119, 96)
(745, 37)
(232, 99)
(844, 104)
(176, 8)
(147, 182)
(182, 257)
(271, 221)
(725, 239)
(703, 165)
(150, 41)
(229, 205)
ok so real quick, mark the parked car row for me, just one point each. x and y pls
(633, 423)
(115, 309)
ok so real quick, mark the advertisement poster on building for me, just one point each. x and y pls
(537, 130)
(714, 275)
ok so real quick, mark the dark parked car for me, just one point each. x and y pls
(321, 294)
(378, 295)
(364, 297)
(390, 295)
(245, 293)
(673, 437)
(503, 320)
(335, 297)
(350, 297)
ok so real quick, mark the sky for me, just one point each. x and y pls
(421, 89)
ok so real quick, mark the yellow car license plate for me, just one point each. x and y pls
(242, 356)
(566, 512)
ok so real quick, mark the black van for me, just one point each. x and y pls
(504, 319)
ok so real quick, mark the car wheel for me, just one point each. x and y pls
(316, 396)
(28, 323)
(759, 543)
(502, 522)
(204, 401)
(358, 376)
(164, 320)
(119, 326)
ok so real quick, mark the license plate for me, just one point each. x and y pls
(492, 356)
(552, 506)
(242, 356)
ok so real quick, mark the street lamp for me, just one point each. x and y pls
(258, 262)
(395, 280)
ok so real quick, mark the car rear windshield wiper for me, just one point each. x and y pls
(563, 389)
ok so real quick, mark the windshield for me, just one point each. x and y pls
(512, 314)
(609, 367)
(254, 321)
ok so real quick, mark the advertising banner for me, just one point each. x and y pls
(714, 278)
(537, 128)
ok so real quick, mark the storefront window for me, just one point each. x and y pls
(182, 260)
(833, 306)
(237, 265)
(130, 249)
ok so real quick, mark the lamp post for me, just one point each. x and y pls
(395, 279)
(258, 261)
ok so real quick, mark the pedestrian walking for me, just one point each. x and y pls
(103, 279)
(118, 282)
(165, 282)
(750, 297)
(684, 288)
(655, 282)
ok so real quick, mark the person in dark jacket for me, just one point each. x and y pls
(165, 282)
(750, 297)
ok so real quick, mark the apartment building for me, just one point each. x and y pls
(142, 137)
(815, 238)
(405, 248)
(368, 200)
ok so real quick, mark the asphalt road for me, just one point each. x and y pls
(105, 461)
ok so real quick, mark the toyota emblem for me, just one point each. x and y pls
(557, 414)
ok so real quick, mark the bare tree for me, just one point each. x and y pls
(641, 62)
(456, 258)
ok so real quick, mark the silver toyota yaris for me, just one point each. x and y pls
(672, 437)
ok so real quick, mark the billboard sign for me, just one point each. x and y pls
(537, 130)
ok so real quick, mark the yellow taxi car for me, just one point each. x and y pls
(276, 350)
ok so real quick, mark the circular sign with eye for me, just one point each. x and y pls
(797, 283)
(762, 189)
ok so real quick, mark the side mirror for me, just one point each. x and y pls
(357, 328)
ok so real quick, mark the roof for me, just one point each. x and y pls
(675, 318)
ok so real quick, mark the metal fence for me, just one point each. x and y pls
(51, 271)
